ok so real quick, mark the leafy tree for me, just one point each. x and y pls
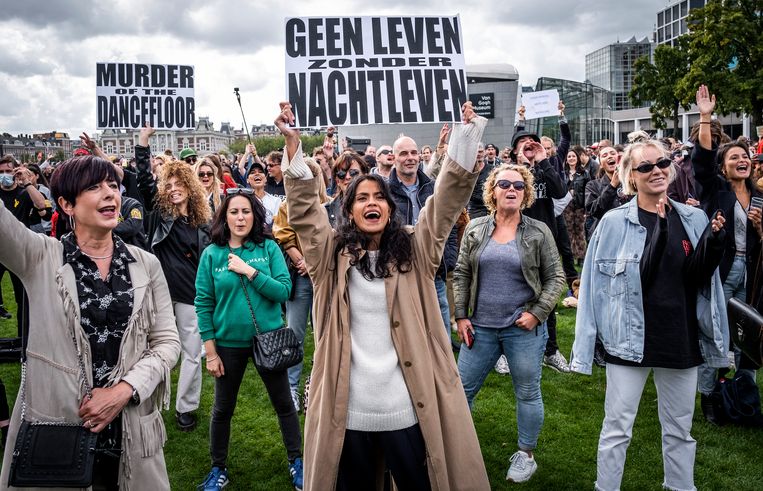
(725, 48)
(658, 83)
(266, 144)
(59, 156)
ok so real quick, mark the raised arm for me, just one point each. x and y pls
(22, 250)
(146, 182)
(706, 106)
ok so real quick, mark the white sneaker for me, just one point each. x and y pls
(502, 365)
(522, 467)
(557, 362)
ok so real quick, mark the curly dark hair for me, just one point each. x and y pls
(395, 246)
(220, 233)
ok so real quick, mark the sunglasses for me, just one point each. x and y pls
(206, 174)
(190, 160)
(506, 184)
(343, 173)
(647, 167)
(235, 191)
(384, 152)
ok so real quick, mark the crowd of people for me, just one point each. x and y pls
(390, 255)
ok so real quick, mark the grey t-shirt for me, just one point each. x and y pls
(502, 290)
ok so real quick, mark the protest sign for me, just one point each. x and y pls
(370, 70)
(130, 94)
(541, 104)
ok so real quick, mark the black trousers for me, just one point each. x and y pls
(22, 303)
(226, 392)
(402, 451)
(565, 250)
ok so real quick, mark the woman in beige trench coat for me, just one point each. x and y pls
(383, 368)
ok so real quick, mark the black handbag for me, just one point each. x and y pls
(746, 325)
(737, 401)
(52, 454)
(275, 350)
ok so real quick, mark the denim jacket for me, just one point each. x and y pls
(611, 303)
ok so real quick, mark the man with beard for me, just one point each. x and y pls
(385, 161)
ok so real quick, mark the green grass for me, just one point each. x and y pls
(728, 458)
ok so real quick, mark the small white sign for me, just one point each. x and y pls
(541, 104)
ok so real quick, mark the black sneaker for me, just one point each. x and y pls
(4, 313)
(186, 421)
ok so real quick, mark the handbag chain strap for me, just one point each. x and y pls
(88, 389)
(246, 294)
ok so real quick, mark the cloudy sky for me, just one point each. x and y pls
(48, 49)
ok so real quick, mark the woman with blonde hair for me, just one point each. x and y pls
(208, 177)
(506, 282)
(178, 232)
(651, 292)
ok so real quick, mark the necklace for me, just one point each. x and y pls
(96, 257)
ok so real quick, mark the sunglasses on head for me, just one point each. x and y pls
(190, 160)
(506, 184)
(647, 167)
(343, 173)
(235, 191)
(206, 174)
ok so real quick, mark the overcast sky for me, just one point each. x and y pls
(48, 49)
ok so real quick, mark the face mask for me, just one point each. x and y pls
(6, 180)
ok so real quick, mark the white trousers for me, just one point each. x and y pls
(675, 403)
(189, 381)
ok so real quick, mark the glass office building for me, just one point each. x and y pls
(611, 68)
(588, 109)
(671, 21)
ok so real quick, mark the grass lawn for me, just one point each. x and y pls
(728, 458)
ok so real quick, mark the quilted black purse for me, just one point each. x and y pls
(746, 325)
(52, 454)
(273, 350)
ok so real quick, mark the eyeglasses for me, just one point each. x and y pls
(647, 167)
(343, 173)
(206, 174)
(235, 191)
(190, 160)
(506, 184)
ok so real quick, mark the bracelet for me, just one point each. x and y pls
(705, 122)
(212, 359)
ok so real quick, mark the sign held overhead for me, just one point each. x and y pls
(370, 70)
(130, 94)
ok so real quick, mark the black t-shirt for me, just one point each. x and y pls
(19, 203)
(671, 330)
(179, 255)
(275, 188)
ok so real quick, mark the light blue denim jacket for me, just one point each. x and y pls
(610, 303)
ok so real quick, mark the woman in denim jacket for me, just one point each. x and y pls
(507, 280)
(650, 291)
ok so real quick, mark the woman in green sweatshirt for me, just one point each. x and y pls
(241, 249)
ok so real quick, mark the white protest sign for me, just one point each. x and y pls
(541, 104)
(369, 70)
(129, 94)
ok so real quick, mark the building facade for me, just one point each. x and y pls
(611, 68)
(25, 148)
(671, 21)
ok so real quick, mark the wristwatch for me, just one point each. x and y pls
(135, 399)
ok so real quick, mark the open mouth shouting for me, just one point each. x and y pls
(372, 217)
(108, 211)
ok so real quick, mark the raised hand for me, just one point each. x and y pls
(86, 142)
(560, 106)
(145, 134)
(444, 132)
(467, 112)
(705, 101)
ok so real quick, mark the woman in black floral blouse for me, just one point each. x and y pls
(113, 299)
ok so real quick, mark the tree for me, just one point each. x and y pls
(725, 48)
(658, 83)
(266, 144)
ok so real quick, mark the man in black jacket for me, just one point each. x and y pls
(410, 187)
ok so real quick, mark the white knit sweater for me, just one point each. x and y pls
(379, 399)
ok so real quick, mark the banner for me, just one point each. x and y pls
(371, 70)
(541, 104)
(129, 94)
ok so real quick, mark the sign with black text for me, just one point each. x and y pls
(370, 70)
(483, 104)
(130, 94)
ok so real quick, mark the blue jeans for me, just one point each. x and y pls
(734, 286)
(442, 299)
(297, 312)
(524, 352)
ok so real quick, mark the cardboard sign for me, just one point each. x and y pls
(541, 104)
(130, 94)
(370, 70)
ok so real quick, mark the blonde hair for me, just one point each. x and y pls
(629, 158)
(216, 182)
(198, 206)
(488, 193)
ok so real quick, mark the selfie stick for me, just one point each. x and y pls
(246, 127)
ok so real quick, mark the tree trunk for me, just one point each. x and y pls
(676, 106)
